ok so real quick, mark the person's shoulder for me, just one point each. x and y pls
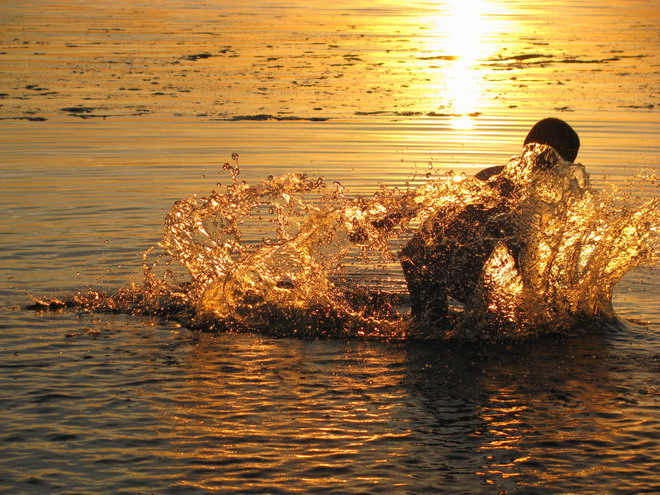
(489, 172)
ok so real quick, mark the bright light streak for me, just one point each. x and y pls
(462, 33)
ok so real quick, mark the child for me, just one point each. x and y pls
(446, 259)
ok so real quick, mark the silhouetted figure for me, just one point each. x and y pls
(446, 259)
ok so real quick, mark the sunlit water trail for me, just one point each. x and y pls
(277, 256)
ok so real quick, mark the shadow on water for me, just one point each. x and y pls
(196, 411)
(543, 415)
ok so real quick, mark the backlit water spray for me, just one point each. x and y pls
(289, 256)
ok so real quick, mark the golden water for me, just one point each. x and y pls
(110, 115)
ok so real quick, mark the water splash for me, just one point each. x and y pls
(281, 256)
(577, 243)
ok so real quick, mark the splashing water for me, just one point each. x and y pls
(576, 244)
(278, 256)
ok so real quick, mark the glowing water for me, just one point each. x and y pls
(576, 245)
(276, 256)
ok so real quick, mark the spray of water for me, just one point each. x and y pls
(281, 256)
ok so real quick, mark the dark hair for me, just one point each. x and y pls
(557, 134)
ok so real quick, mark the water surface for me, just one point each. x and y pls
(112, 111)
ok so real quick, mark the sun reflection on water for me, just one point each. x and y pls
(464, 33)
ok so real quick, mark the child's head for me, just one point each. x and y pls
(557, 134)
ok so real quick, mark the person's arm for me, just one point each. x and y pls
(489, 172)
